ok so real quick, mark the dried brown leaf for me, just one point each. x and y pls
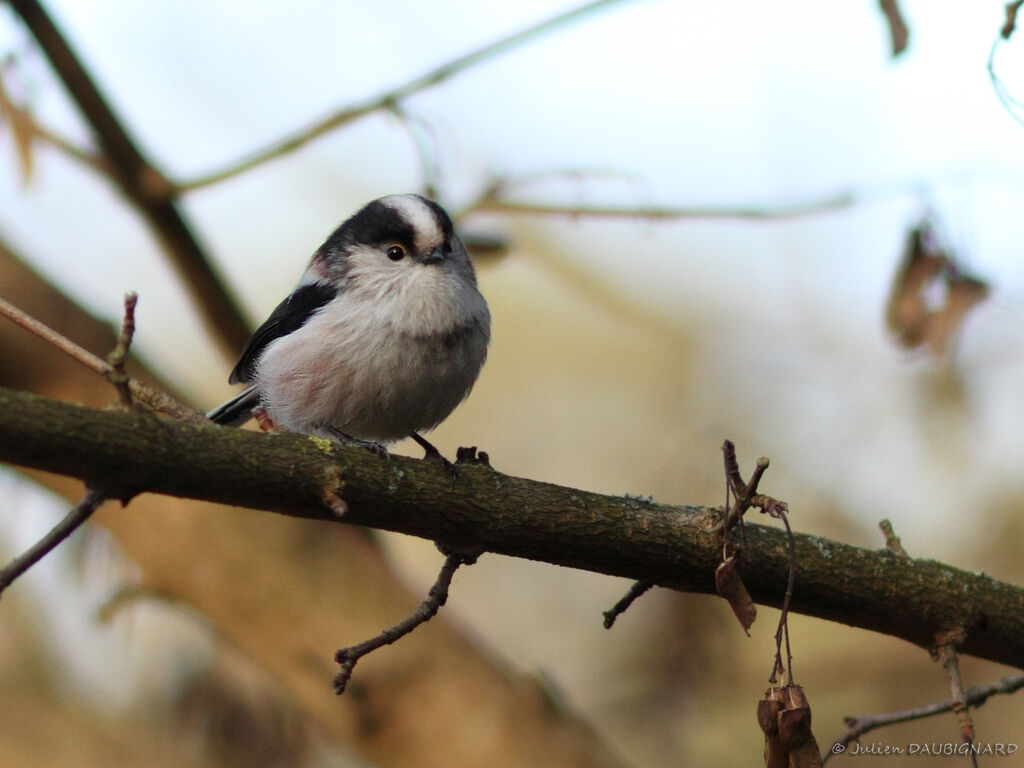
(731, 587)
(962, 294)
(925, 277)
(899, 35)
(784, 715)
(768, 709)
(23, 131)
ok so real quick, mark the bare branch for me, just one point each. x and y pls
(438, 596)
(154, 399)
(493, 202)
(858, 725)
(349, 114)
(130, 452)
(45, 545)
(947, 655)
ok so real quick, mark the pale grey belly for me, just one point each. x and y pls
(398, 385)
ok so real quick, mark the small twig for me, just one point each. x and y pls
(858, 725)
(438, 595)
(778, 510)
(743, 493)
(620, 607)
(154, 399)
(45, 545)
(116, 375)
(349, 114)
(746, 496)
(946, 653)
(892, 541)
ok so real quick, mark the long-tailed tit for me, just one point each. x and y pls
(384, 335)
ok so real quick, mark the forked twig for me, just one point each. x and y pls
(154, 399)
(438, 596)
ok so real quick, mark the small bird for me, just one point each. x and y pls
(383, 337)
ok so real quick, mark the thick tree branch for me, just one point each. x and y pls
(126, 453)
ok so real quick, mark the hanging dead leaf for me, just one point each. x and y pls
(784, 715)
(962, 294)
(907, 311)
(731, 587)
(795, 729)
(768, 709)
(23, 130)
(930, 295)
(899, 35)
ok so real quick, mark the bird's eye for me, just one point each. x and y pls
(396, 253)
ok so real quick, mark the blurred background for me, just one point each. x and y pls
(696, 217)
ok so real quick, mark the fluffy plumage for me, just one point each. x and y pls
(383, 337)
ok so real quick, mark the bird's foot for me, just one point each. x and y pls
(378, 448)
(432, 454)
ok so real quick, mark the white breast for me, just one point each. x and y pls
(380, 364)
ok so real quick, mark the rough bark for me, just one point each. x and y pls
(131, 452)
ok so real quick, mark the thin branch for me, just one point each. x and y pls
(154, 399)
(438, 596)
(128, 452)
(947, 655)
(45, 545)
(86, 157)
(37, 131)
(50, 336)
(858, 725)
(494, 203)
(349, 114)
(1010, 104)
(145, 187)
(638, 588)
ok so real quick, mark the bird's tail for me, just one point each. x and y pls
(237, 410)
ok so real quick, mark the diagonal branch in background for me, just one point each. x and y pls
(858, 725)
(142, 184)
(128, 453)
(71, 523)
(493, 202)
(349, 114)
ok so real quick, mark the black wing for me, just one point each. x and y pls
(290, 315)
